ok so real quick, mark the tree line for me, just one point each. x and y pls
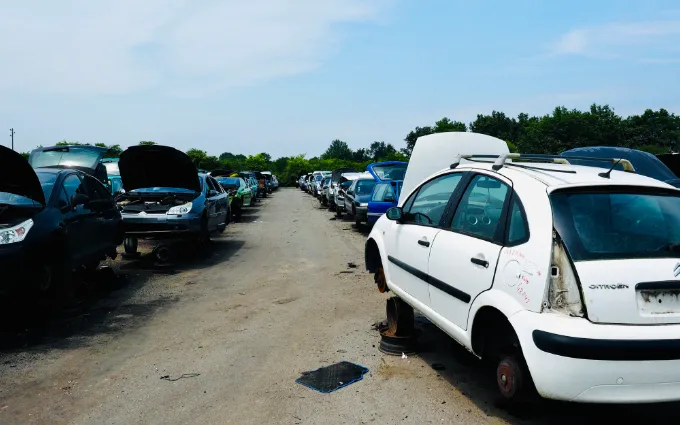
(563, 129)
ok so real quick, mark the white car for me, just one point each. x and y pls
(567, 277)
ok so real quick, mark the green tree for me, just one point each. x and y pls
(197, 156)
(338, 150)
(381, 150)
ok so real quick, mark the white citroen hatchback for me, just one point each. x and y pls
(567, 277)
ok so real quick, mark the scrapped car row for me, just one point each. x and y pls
(562, 271)
(363, 196)
(67, 208)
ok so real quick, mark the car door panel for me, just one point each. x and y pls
(410, 239)
(463, 257)
(75, 221)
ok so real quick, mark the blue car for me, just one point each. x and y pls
(389, 177)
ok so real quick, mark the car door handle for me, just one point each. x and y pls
(480, 262)
(423, 243)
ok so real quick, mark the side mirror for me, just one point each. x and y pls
(388, 199)
(211, 193)
(394, 213)
(79, 199)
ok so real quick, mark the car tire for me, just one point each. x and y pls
(357, 223)
(130, 244)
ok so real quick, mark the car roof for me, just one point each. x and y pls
(553, 176)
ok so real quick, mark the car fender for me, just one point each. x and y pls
(377, 235)
(501, 301)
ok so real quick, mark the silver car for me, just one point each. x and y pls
(167, 198)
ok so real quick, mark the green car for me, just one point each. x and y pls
(239, 192)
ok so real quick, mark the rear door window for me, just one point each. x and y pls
(480, 210)
(620, 224)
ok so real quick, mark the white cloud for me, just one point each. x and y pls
(121, 46)
(650, 41)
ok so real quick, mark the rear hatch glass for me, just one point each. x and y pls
(625, 245)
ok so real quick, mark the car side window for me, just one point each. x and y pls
(218, 187)
(210, 184)
(518, 228)
(429, 203)
(480, 209)
(73, 185)
(95, 191)
(62, 200)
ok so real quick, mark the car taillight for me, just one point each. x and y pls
(563, 294)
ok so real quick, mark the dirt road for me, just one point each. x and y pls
(273, 298)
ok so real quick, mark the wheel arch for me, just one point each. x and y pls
(372, 255)
(489, 324)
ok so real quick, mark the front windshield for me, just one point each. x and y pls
(46, 182)
(73, 157)
(318, 177)
(364, 187)
(229, 182)
(618, 224)
(390, 172)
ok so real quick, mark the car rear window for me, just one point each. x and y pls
(364, 187)
(618, 223)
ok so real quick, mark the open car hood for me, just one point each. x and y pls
(337, 173)
(18, 177)
(388, 170)
(672, 161)
(223, 172)
(157, 166)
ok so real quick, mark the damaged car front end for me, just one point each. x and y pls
(166, 197)
(52, 221)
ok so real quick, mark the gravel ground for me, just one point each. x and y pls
(274, 296)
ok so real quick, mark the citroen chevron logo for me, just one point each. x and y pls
(676, 270)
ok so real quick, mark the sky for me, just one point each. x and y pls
(288, 76)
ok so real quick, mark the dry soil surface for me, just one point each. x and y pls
(220, 337)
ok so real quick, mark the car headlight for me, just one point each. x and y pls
(16, 233)
(180, 209)
(363, 204)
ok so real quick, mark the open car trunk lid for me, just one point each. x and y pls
(149, 166)
(18, 177)
(388, 170)
(624, 242)
(338, 172)
(84, 158)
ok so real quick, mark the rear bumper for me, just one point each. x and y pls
(161, 225)
(573, 359)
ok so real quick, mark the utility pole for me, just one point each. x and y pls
(11, 134)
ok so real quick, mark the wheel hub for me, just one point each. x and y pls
(508, 377)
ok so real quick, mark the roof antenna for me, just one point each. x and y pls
(608, 173)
